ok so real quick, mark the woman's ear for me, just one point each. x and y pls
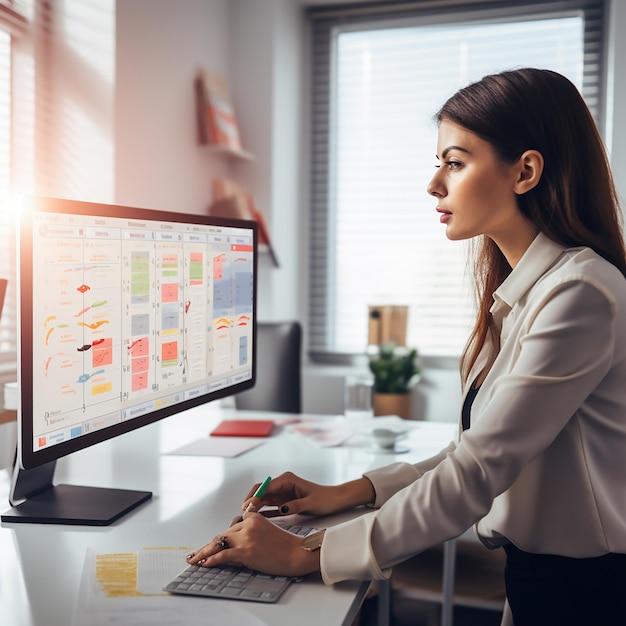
(530, 169)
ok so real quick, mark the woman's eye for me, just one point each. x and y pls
(451, 165)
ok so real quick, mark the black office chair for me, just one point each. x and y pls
(278, 384)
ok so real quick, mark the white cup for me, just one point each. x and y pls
(385, 438)
(359, 397)
(8, 430)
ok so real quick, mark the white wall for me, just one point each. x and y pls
(255, 45)
(266, 49)
(161, 45)
(261, 47)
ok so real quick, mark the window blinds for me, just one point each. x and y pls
(57, 77)
(8, 320)
(377, 82)
(15, 25)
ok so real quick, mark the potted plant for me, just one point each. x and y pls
(395, 370)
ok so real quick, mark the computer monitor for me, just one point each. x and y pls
(127, 316)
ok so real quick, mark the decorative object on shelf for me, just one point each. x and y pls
(387, 322)
(396, 371)
(230, 200)
(216, 116)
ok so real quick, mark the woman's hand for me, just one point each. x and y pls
(292, 494)
(260, 545)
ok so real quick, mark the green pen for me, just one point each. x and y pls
(259, 493)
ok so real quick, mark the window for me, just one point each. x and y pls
(377, 82)
(13, 24)
(7, 265)
(57, 78)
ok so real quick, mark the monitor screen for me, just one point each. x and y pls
(127, 316)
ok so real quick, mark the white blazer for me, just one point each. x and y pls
(544, 462)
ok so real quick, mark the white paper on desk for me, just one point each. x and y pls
(219, 446)
(155, 565)
(325, 433)
(107, 598)
(331, 431)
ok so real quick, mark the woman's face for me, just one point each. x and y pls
(474, 188)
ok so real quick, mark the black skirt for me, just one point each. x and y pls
(544, 589)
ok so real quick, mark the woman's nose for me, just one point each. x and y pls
(434, 187)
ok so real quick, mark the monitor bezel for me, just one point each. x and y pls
(29, 458)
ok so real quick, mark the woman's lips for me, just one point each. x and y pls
(445, 215)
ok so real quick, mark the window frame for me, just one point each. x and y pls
(326, 23)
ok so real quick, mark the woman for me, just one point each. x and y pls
(540, 466)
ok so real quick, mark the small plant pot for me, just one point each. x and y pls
(399, 404)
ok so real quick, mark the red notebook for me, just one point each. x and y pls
(243, 428)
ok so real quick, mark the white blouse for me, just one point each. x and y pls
(544, 462)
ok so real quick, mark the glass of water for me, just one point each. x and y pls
(359, 396)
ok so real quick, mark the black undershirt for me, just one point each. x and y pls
(467, 406)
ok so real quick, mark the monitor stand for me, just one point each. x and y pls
(36, 500)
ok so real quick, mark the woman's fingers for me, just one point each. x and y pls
(214, 550)
(285, 488)
(257, 544)
(252, 491)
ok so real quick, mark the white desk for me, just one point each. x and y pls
(194, 499)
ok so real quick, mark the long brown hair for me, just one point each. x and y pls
(575, 202)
